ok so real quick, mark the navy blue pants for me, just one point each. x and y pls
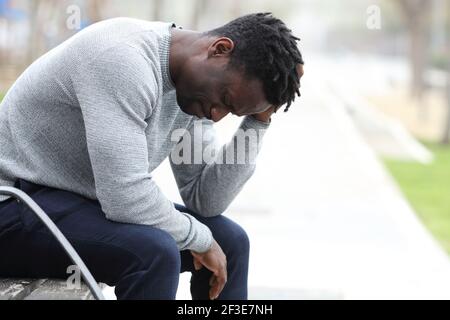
(142, 262)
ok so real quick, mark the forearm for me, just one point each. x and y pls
(221, 180)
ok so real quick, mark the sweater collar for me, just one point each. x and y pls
(164, 53)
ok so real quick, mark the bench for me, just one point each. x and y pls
(41, 289)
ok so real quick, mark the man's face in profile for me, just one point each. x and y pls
(210, 88)
(218, 91)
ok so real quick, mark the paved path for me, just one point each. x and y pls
(325, 219)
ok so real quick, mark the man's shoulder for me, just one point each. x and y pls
(122, 29)
(118, 67)
(121, 43)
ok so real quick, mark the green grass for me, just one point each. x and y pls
(427, 188)
(1, 96)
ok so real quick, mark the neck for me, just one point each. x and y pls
(183, 46)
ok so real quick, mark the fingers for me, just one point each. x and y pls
(217, 283)
(213, 290)
(215, 261)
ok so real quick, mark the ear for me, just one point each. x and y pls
(299, 69)
(221, 47)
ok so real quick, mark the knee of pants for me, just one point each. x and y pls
(156, 249)
(233, 239)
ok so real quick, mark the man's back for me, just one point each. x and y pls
(41, 122)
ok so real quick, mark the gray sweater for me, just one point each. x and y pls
(95, 116)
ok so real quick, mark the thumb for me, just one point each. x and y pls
(197, 264)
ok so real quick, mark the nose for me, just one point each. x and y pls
(218, 114)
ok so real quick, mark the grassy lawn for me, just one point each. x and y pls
(427, 188)
(1, 96)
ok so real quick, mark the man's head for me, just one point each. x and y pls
(244, 67)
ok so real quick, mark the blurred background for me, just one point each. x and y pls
(351, 197)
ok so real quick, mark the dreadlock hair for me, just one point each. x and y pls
(266, 49)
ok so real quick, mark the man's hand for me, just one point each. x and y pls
(214, 260)
(265, 116)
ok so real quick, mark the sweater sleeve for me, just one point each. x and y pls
(116, 92)
(216, 174)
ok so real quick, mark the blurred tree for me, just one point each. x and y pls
(47, 22)
(201, 8)
(417, 15)
(208, 14)
(40, 15)
(158, 10)
(3, 29)
(236, 8)
(94, 10)
(446, 137)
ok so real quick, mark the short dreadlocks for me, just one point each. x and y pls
(267, 50)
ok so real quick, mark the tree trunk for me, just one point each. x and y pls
(416, 13)
(41, 12)
(34, 30)
(94, 10)
(3, 36)
(236, 9)
(417, 57)
(446, 137)
(200, 7)
(158, 9)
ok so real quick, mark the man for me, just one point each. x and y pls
(86, 124)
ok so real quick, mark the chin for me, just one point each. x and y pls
(190, 106)
(186, 110)
(182, 106)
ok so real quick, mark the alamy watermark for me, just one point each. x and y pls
(200, 147)
(73, 21)
(73, 282)
(373, 21)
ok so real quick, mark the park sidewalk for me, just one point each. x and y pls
(325, 219)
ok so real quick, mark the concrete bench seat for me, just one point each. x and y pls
(41, 289)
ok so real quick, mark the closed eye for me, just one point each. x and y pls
(226, 100)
